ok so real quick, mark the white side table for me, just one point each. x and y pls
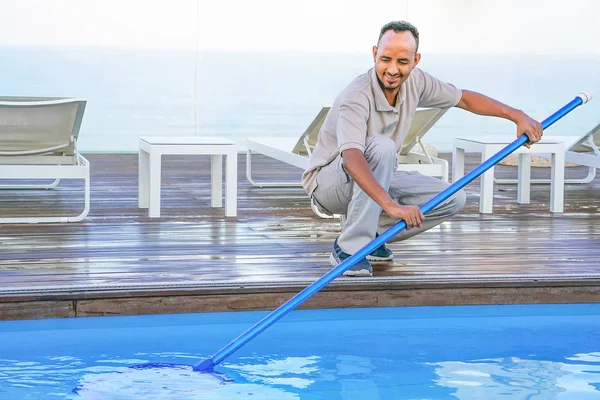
(490, 145)
(152, 148)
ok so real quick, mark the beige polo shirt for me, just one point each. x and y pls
(362, 110)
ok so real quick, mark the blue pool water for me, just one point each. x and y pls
(467, 352)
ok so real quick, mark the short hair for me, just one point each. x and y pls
(400, 26)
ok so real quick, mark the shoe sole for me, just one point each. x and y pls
(362, 272)
(374, 258)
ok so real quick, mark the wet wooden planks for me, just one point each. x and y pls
(118, 261)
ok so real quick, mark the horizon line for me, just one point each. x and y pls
(290, 51)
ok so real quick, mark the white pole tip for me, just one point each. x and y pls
(586, 96)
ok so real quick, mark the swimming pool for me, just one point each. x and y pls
(464, 352)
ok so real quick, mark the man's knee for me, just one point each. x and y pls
(458, 202)
(381, 148)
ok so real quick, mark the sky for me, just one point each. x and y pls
(446, 26)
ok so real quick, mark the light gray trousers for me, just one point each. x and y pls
(337, 193)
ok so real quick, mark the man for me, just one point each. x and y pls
(352, 169)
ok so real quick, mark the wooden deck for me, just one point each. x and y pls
(118, 261)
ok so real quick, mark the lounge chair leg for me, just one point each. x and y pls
(66, 219)
(249, 168)
(40, 186)
(590, 176)
(264, 184)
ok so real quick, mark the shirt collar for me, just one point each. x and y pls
(381, 102)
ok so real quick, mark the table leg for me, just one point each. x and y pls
(231, 184)
(458, 163)
(216, 180)
(486, 201)
(143, 177)
(524, 181)
(154, 184)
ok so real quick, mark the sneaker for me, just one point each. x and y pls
(382, 253)
(361, 268)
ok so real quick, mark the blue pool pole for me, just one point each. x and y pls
(208, 364)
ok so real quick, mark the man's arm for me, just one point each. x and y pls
(356, 165)
(480, 104)
(352, 130)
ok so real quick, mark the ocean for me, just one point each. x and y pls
(143, 92)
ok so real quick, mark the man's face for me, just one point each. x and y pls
(395, 57)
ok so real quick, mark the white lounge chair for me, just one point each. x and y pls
(38, 141)
(582, 150)
(297, 152)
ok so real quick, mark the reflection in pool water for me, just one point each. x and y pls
(522, 379)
